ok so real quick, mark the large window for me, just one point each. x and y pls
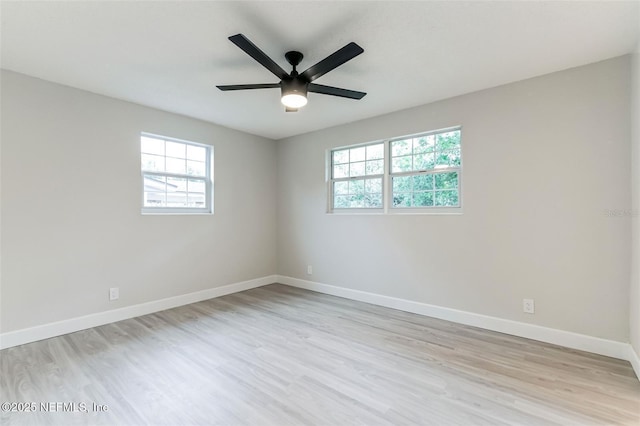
(415, 172)
(176, 175)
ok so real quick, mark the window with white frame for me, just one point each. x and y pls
(415, 172)
(425, 170)
(176, 175)
(356, 176)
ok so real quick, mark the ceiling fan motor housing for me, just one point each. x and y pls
(294, 85)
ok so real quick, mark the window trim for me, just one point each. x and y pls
(207, 179)
(387, 176)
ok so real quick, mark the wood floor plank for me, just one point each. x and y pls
(278, 355)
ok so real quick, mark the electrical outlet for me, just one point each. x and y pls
(309, 270)
(114, 293)
(528, 306)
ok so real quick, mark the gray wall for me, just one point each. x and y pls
(71, 194)
(544, 160)
(634, 314)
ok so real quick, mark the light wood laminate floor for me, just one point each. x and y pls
(277, 355)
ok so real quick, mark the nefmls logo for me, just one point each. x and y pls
(622, 213)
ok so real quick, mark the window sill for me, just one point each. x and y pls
(175, 213)
(400, 212)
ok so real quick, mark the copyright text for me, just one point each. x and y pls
(52, 407)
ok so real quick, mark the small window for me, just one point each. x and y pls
(356, 177)
(176, 175)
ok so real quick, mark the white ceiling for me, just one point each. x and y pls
(171, 54)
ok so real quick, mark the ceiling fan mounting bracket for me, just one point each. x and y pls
(294, 57)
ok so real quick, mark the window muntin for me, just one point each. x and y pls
(176, 175)
(356, 177)
(417, 172)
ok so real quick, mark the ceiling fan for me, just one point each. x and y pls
(294, 86)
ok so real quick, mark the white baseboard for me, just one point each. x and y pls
(544, 334)
(32, 334)
(634, 359)
(530, 331)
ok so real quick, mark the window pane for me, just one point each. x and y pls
(340, 188)
(155, 183)
(402, 184)
(423, 161)
(454, 158)
(356, 186)
(446, 180)
(154, 199)
(423, 199)
(196, 168)
(176, 184)
(373, 201)
(357, 169)
(176, 149)
(375, 167)
(357, 154)
(402, 199)
(399, 148)
(349, 201)
(446, 198)
(195, 199)
(151, 145)
(375, 152)
(373, 185)
(424, 144)
(196, 185)
(443, 159)
(423, 183)
(341, 171)
(198, 153)
(401, 164)
(449, 140)
(357, 201)
(152, 163)
(175, 165)
(341, 201)
(341, 157)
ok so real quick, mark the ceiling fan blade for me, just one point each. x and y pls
(332, 61)
(335, 91)
(287, 109)
(252, 50)
(248, 86)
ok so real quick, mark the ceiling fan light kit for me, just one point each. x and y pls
(294, 87)
(294, 93)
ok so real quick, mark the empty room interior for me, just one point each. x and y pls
(320, 213)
